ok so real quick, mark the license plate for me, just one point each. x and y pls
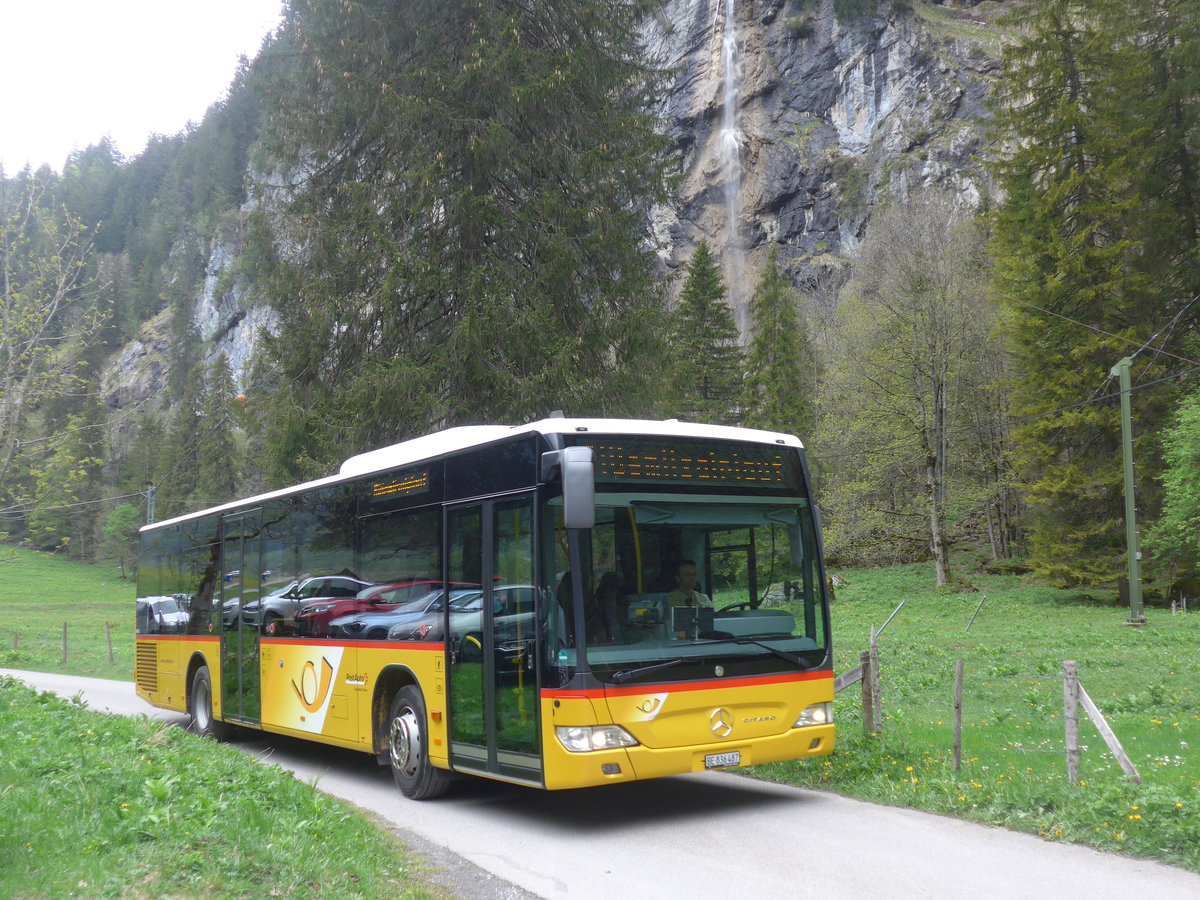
(722, 760)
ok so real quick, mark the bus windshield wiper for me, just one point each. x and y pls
(782, 654)
(626, 674)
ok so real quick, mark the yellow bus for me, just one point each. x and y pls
(567, 603)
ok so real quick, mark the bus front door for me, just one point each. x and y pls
(491, 650)
(241, 576)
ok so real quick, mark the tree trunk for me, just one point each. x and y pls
(937, 538)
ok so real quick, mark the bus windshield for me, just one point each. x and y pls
(690, 586)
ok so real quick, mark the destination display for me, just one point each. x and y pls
(402, 485)
(701, 463)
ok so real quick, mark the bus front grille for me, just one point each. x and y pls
(146, 669)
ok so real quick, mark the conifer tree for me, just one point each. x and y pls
(176, 492)
(1094, 255)
(63, 483)
(218, 455)
(119, 538)
(464, 192)
(1175, 538)
(707, 359)
(144, 462)
(782, 373)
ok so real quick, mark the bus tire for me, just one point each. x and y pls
(200, 707)
(407, 743)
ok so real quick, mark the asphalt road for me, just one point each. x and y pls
(714, 835)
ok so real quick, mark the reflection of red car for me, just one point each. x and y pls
(313, 619)
(512, 626)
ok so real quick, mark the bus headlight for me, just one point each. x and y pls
(817, 714)
(585, 738)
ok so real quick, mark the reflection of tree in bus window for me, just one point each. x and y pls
(605, 613)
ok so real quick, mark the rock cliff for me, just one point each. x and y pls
(830, 119)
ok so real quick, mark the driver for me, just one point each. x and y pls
(685, 594)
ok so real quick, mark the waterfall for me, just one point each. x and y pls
(731, 167)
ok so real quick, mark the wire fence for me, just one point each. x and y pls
(104, 648)
(1042, 714)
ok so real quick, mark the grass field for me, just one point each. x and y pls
(1013, 773)
(99, 806)
(40, 592)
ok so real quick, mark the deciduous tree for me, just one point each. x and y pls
(905, 379)
(48, 316)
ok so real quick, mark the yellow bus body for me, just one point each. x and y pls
(326, 692)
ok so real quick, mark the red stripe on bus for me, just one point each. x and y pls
(322, 642)
(715, 684)
(151, 638)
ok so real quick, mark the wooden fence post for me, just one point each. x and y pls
(868, 700)
(958, 680)
(1071, 718)
(876, 691)
(108, 635)
(16, 640)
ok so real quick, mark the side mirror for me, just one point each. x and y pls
(579, 487)
(577, 467)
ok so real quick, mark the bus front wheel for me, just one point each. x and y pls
(408, 742)
(201, 708)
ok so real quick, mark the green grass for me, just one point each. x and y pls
(97, 805)
(39, 592)
(1013, 772)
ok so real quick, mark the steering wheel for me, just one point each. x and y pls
(745, 604)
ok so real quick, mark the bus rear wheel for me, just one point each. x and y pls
(408, 742)
(201, 708)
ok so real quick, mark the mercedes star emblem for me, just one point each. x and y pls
(721, 722)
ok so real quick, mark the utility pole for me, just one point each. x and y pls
(1132, 547)
(149, 502)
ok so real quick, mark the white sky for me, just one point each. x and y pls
(72, 71)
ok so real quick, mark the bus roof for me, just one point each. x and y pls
(466, 437)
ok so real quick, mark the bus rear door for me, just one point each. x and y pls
(491, 649)
(241, 568)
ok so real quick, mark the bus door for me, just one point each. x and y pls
(491, 643)
(241, 575)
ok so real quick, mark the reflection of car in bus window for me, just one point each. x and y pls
(513, 619)
(374, 626)
(314, 618)
(161, 615)
(231, 608)
(276, 611)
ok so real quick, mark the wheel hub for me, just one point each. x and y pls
(201, 705)
(405, 740)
